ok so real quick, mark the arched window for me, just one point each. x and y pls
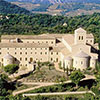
(31, 59)
(79, 37)
(81, 62)
(25, 59)
(56, 59)
(82, 37)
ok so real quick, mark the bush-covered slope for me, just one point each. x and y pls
(8, 8)
(67, 9)
(39, 24)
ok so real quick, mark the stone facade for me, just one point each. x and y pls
(69, 49)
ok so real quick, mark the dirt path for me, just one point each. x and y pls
(58, 93)
(36, 87)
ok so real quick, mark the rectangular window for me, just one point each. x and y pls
(25, 59)
(20, 59)
(82, 37)
(51, 42)
(81, 62)
(91, 41)
(15, 59)
(51, 53)
(79, 37)
(41, 53)
(2, 59)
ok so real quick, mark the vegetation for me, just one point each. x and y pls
(46, 74)
(11, 69)
(66, 97)
(76, 76)
(8, 8)
(6, 89)
(68, 9)
(54, 88)
(39, 24)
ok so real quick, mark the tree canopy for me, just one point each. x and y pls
(10, 69)
(76, 76)
(40, 24)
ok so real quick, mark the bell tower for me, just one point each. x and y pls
(80, 36)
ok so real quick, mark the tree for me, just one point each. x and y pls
(3, 84)
(67, 72)
(76, 76)
(98, 77)
(11, 68)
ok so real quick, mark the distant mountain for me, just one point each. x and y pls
(60, 7)
(8, 8)
(57, 1)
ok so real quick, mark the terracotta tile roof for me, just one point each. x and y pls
(8, 56)
(89, 35)
(26, 37)
(69, 38)
(22, 45)
(81, 54)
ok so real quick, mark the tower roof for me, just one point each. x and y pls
(8, 56)
(80, 30)
(81, 54)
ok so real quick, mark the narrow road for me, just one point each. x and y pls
(43, 83)
(36, 87)
(58, 93)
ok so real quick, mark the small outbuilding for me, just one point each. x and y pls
(8, 59)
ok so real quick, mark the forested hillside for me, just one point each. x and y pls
(8, 8)
(66, 9)
(39, 24)
(58, 1)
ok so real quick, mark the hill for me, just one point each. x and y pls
(56, 1)
(67, 9)
(39, 24)
(8, 8)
